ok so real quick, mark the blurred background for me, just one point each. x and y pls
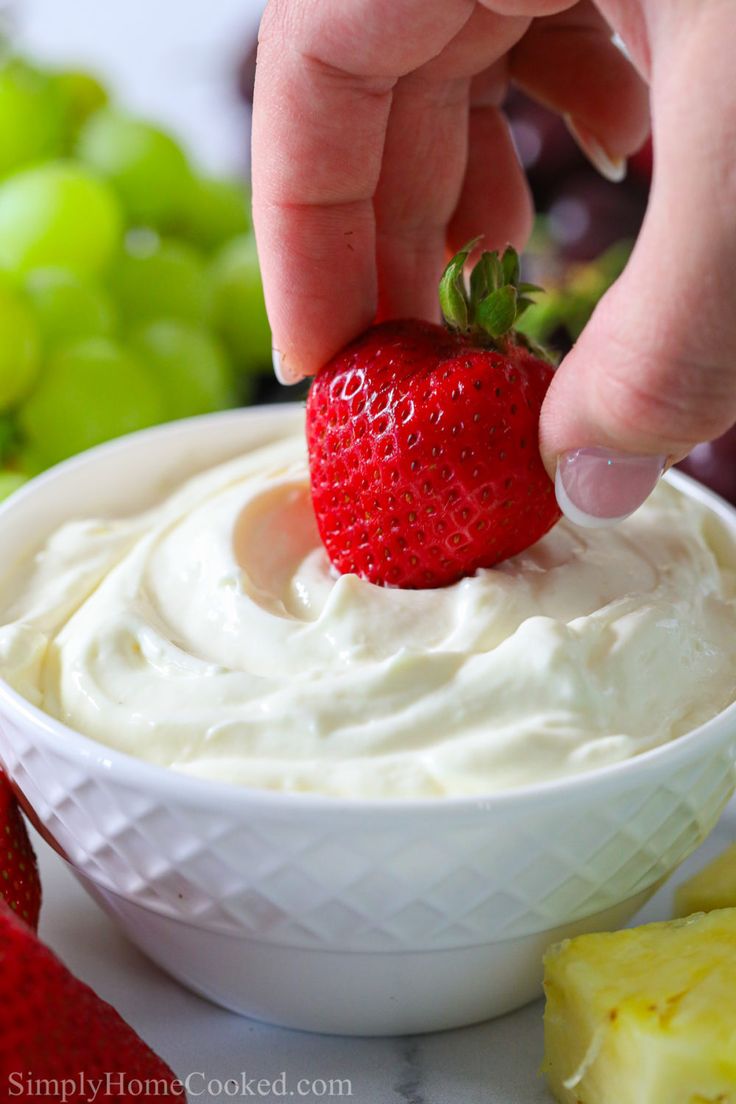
(174, 61)
(129, 285)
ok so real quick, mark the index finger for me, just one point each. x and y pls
(323, 94)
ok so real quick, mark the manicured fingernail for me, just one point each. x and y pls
(612, 168)
(282, 372)
(597, 487)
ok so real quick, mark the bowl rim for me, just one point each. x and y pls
(143, 775)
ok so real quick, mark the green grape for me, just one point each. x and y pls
(58, 214)
(31, 116)
(215, 212)
(587, 283)
(543, 318)
(68, 308)
(7, 436)
(145, 165)
(29, 460)
(88, 393)
(238, 308)
(189, 365)
(82, 94)
(159, 279)
(10, 481)
(19, 347)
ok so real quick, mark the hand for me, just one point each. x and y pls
(379, 143)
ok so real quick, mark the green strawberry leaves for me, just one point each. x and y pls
(488, 307)
(497, 311)
(454, 299)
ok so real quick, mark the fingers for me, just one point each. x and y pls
(569, 63)
(527, 7)
(361, 121)
(324, 85)
(424, 164)
(312, 200)
(655, 370)
(495, 199)
(425, 161)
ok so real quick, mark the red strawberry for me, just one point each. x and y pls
(53, 1027)
(423, 441)
(19, 883)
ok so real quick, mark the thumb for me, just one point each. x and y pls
(654, 372)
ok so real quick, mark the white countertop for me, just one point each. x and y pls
(493, 1063)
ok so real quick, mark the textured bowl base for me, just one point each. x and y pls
(348, 992)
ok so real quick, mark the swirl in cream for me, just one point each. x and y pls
(211, 636)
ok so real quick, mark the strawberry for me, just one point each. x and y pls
(53, 1028)
(19, 883)
(423, 440)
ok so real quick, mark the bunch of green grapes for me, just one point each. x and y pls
(130, 292)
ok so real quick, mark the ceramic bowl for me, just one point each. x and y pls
(355, 917)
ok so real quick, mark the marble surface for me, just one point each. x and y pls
(492, 1063)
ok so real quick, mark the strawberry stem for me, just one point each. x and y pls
(489, 308)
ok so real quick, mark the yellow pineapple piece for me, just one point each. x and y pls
(713, 888)
(644, 1016)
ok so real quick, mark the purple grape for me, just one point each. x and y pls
(588, 215)
(714, 464)
(246, 75)
(546, 149)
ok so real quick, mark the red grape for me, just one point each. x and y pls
(641, 163)
(589, 214)
(246, 75)
(714, 464)
(546, 148)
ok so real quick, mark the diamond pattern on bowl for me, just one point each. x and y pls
(369, 885)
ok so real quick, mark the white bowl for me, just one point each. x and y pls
(354, 917)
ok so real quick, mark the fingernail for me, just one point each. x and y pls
(282, 372)
(597, 487)
(612, 168)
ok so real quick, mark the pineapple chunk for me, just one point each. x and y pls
(713, 888)
(644, 1016)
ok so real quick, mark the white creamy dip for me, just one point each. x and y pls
(211, 636)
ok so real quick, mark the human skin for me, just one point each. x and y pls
(379, 144)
